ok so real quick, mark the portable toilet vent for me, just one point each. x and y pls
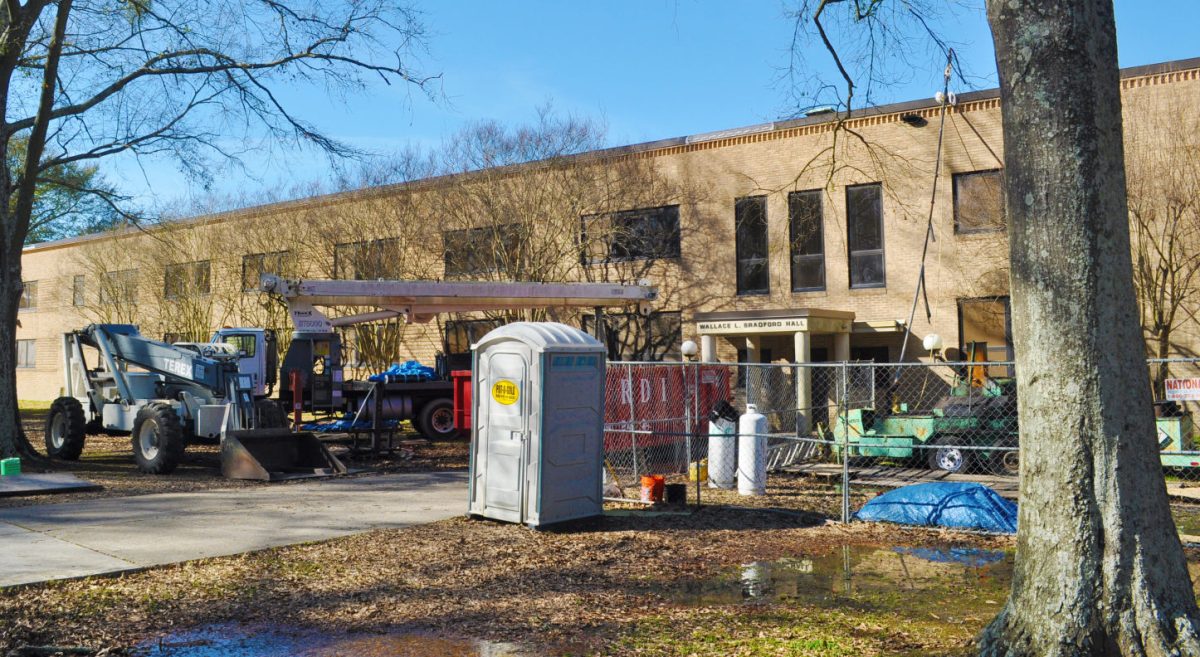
(537, 438)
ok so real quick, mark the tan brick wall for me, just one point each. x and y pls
(714, 174)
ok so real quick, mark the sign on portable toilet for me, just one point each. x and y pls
(537, 433)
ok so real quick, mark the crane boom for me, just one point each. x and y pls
(419, 301)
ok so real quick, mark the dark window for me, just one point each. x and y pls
(750, 227)
(644, 234)
(367, 260)
(632, 336)
(26, 354)
(979, 202)
(480, 250)
(257, 264)
(187, 279)
(78, 291)
(118, 287)
(806, 230)
(864, 228)
(29, 295)
(460, 335)
(985, 330)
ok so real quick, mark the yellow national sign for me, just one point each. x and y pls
(505, 392)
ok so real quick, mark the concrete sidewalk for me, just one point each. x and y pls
(56, 541)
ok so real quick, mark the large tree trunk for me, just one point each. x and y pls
(1100, 569)
(12, 439)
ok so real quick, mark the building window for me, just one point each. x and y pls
(979, 202)
(29, 296)
(26, 354)
(645, 234)
(985, 330)
(367, 260)
(634, 337)
(806, 230)
(864, 228)
(78, 291)
(187, 279)
(460, 334)
(750, 228)
(257, 264)
(480, 250)
(117, 287)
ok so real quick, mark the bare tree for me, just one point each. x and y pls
(1164, 212)
(87, 79)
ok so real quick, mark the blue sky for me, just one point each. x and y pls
(649, 69)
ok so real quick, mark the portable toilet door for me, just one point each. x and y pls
(501, 429)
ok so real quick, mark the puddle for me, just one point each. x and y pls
(949, 582)
(231, 640)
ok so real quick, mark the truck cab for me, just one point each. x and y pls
(258, 355)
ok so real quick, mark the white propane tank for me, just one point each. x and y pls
(722, 448)
(752, 452)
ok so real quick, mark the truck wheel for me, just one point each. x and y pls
(948, 457)
(66, 429)
(436, 420)
(270, 415)
(158, 439)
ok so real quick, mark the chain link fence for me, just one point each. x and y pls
(864, 426)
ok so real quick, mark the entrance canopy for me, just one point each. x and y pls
(802, 324)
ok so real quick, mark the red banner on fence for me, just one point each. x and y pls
(652, 405)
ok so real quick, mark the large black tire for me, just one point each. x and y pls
(270, 414)
(158, 439)
(1006, 463)
(66, 429)
(944, 456)
(436, 420)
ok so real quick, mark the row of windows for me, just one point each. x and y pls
(864, 233)
(628, 336)
(978, 207)
(646, 233)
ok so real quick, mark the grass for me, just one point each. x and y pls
(27, 405)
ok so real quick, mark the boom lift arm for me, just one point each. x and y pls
(420, 301)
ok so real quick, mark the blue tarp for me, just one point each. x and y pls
(943, 504)
(409, 372)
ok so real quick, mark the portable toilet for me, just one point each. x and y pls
(537, 436)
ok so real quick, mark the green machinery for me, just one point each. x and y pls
(963, 429)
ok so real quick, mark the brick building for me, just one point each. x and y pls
(778, 242)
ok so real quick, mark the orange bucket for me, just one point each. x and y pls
(652, 487)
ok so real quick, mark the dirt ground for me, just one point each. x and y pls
(601, 587)
(108, 461)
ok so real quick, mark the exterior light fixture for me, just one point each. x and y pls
(932, 343)
(689, 349)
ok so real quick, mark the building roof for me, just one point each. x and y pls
(617, 151)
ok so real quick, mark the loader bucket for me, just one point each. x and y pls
(276, 454)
